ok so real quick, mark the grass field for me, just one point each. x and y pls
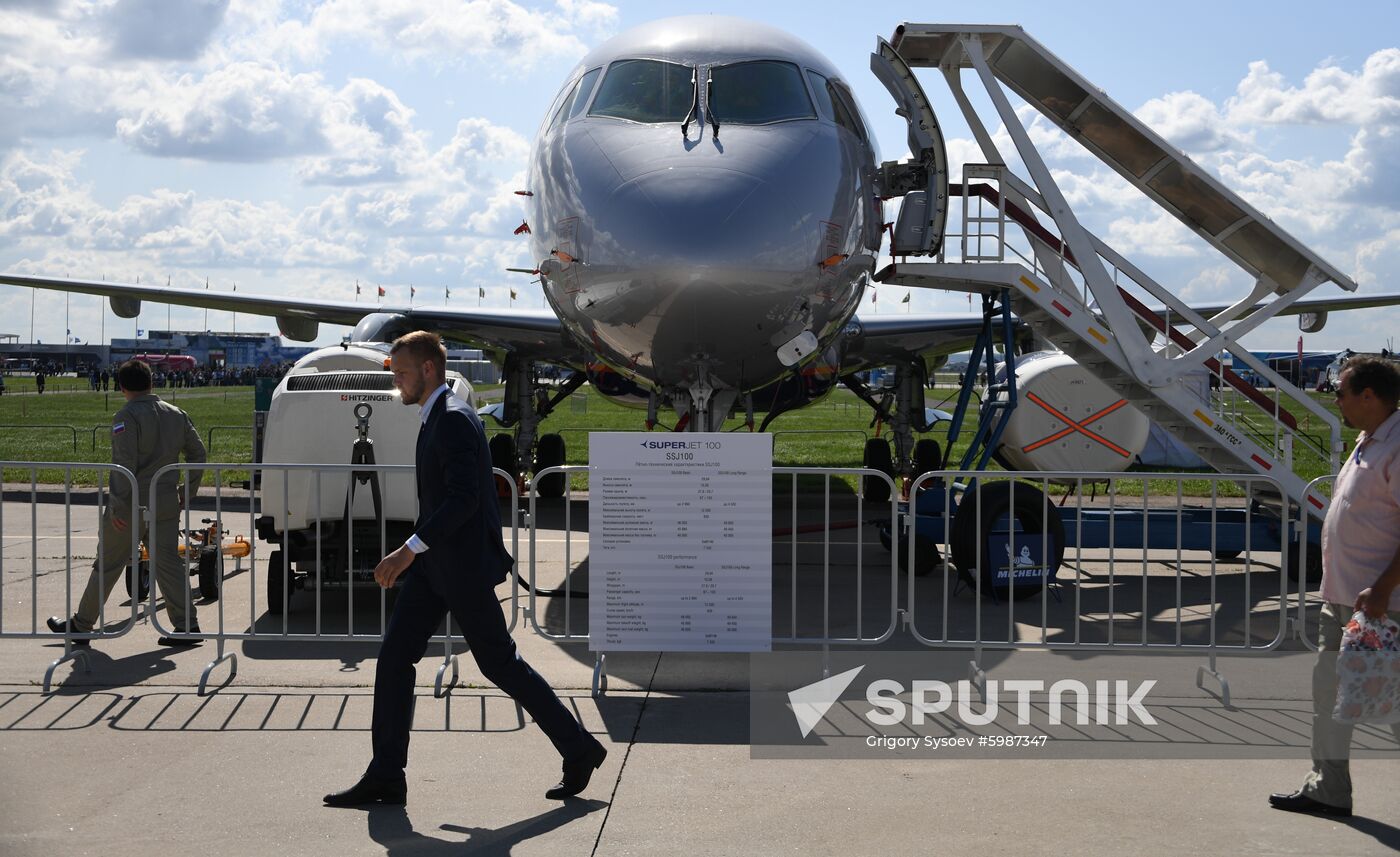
(830, 433)
(45, 428)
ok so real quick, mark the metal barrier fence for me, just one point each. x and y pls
(1146, 563)
(209, 435)
(100, 630)
(864, 611)
(1310, 561)
(32, 426)
(315, 553)
(864, 435)
(1142, 567)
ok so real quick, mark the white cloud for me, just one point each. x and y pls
(477, 147)
(371, 133)
(40, 196)
(1158, 235)
(1216, 284)
(1328, 95)
(138, 217)
(1190, 122)
(244, 112)
(449, 32)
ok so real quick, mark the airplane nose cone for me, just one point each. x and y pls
(709, 216)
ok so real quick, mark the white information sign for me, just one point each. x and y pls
(680, 533)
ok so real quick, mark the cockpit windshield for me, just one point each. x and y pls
(645, 91)
(757, 93)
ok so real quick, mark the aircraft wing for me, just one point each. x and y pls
(1320, 306)
(537, 333)
(880, 340)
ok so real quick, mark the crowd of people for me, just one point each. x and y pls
(102, 379)
(202, 377)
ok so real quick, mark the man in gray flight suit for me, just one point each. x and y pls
(147, 434)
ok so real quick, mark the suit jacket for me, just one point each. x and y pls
(458, 517)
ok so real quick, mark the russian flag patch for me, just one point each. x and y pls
(118, 428)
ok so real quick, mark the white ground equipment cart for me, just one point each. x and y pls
(337, 405)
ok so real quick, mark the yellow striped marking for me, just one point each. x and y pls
(1205, 419)
(1099, 336)
(1030, 285)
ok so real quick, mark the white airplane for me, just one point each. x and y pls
(705, 215)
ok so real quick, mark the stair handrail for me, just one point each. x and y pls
(1034, 227)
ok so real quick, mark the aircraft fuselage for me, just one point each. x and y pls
(721, 256)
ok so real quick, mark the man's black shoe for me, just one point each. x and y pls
(1299, 802)
(182, 641)
(60, 626)
(577, 772)
(370, 790)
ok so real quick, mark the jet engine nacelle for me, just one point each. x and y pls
(1066, 419)
(383, 327)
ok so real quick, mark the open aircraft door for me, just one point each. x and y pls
(922, 181)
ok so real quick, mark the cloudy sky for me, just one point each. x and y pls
(299, 147)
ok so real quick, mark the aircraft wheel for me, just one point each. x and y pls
(276, 586)
(502, 447)
(210, 572)
(980, 518)
(145, 587)
(877, 457)
(549, 452)
(928, 456)
(1314, 563)
(928, 559)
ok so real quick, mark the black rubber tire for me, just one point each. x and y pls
(877, 457)
(1314, 562)
(928, 456)
(145, 581)
(549, 452)
(973, 519)
(502, 447)
(929, 556)
(210, 573)
(274, 583)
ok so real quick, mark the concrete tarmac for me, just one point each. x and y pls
(125, 757)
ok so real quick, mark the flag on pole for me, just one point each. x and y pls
(1300, 349)
(906, 297)
(412, 292)
(513, 294)
(873, 295)
(449, 293)
(357, 288)
(481, 291)
(381, 291)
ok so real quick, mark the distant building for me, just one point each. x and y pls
(473, 365)
(212, 349)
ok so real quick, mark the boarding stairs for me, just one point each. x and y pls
(1074, 290)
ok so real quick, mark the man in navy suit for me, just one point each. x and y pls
(452, 564)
